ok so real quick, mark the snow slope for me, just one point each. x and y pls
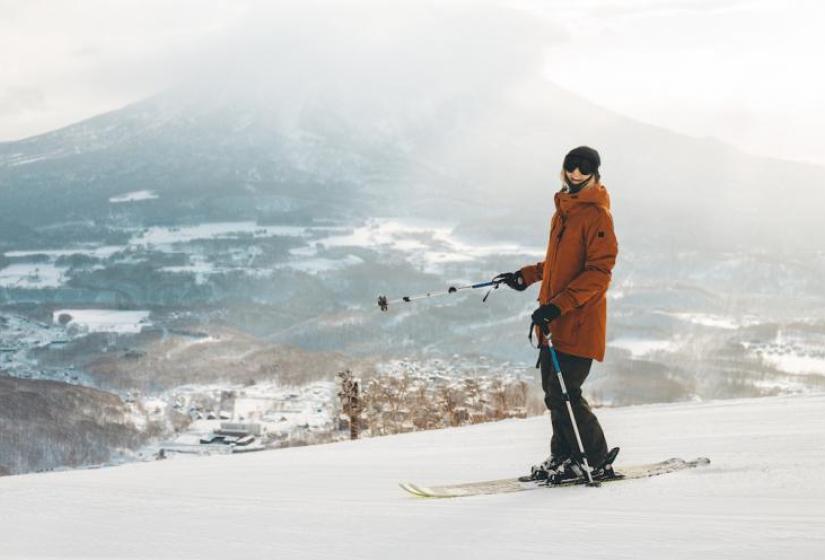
(762, 497)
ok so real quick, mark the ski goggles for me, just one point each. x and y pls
(584, 165)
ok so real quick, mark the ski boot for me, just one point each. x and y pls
(569, 472)
(604, 470)
(543, 470)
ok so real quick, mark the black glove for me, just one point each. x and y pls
(544, 315)
(513, 279)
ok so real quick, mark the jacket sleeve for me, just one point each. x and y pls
(532, 273)
(602, 250)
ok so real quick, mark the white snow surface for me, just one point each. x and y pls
(97, 251)
(794, 363)
(428, 244)
(160, 237)
(639, 347)
(33, 276)
(105, 320)
(716, 321)
(763, 496)
(134, 197)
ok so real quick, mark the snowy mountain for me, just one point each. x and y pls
(201, 163)
(762, 496)
(225, 154)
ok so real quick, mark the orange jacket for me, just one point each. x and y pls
(576, 271)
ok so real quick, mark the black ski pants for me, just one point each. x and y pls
(575, 370)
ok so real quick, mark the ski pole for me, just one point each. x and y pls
(570, 411)
(384, 304)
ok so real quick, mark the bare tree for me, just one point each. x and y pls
(395, 392)
(350, 402)
(521, 390)
(449, 399)
(498, 399)
(472, 389)
(375, 406)
(425, 413)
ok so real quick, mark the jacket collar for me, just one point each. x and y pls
(591, 194)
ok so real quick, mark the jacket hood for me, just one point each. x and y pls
(591, 194)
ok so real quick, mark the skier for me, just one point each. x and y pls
(574, 275)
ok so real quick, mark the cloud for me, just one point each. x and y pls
(91, 56)
(677, 64)
(738, 71)
(398, 49)
(20, 99)
(657, 7)
(97, 55)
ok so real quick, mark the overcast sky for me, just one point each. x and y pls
(746, 72)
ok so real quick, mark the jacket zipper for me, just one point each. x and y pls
(558, 242)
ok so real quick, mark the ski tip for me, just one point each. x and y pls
(417, 491)
(409, 487)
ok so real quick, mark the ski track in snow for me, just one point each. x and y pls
(763, 496)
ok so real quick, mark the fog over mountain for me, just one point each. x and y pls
(332, 114)
(234, 157)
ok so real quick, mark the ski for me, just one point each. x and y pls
(509, 485)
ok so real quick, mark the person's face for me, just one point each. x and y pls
(578, 169)
(576, 176)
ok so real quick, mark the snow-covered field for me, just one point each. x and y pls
(762, 497)
(428, 245)
(134, 196)
(104, 320)
(32, 276)
(639, 347)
